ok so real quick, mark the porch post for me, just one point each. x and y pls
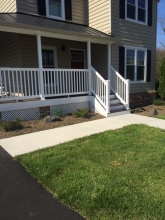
(39, 49)
(109, 61)
(89, 63)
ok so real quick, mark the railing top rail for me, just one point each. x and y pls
(93, 69)
(44, 69)
(65, 69)
(118, 74)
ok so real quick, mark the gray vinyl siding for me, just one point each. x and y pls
(10, 50)
(7, 6)
(27, 6)
(99, 59)
(99, 15)
(28, 46)
(78, 9)
(137, 35)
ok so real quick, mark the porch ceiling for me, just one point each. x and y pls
(31, 24)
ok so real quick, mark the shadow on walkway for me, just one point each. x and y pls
(23, 198)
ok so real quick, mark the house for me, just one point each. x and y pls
(69, 54)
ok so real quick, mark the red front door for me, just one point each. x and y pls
(77, 59)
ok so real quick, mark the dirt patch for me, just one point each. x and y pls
(39, 125)
(148, 110)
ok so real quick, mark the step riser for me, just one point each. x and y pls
(117, 108)
(119, 113)
(113, 102)
(112, 97)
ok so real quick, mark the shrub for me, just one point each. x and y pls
(59, 113)
(159, 102)
(81, 113)
(161, 89)
(11, 125)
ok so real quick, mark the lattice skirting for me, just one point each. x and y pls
(34, 113)
(69, 108)
(23, 114)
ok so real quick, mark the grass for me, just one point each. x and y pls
(115, 175)
(161, 117)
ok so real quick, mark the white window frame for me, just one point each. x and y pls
(62, 11)
(44, 47)
(135, 63)
(136, 11)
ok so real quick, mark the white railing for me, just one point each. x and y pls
(120, 87)
(100, 89)
(21, 83)
(59, 82)
(18, 83)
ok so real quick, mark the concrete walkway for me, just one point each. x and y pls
(39, 140)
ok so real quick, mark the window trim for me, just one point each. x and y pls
(136, 10)
(62, 11)
(54, 48)
(135, 61)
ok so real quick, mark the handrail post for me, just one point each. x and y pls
(127, 93)
(90, 80)
(40, 67)
(107, 96)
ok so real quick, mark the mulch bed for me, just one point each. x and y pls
(40, 125)
(148, 110)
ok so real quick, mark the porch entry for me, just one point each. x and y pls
(77, 59)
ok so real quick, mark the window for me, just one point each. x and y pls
(136, 10)
(49, 57)
(76, 57)
(55, 9)
(135, 64)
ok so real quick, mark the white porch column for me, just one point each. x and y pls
(40, 66)
(89, 63)
(109, 61)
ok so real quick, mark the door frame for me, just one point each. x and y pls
(84, 51)
(54, 48)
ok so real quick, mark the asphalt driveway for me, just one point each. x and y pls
(22, 198)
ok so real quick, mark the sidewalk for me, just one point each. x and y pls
(39, 140)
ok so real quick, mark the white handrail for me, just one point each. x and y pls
(100, 89)
(25, 83)
(120, 86)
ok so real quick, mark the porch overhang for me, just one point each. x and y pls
(35, 25)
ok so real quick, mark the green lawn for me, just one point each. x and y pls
(161, 117)
(109, 176)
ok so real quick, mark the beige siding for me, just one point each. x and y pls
(7, 6)
(99, 15)
(100, 59)
(78, 9)
(10, 50)
(134, 34)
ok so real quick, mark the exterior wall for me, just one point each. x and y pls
(7, 6)
(134, 34)
(10, 55)
(99, 15)
(99, 59)
(78, 9)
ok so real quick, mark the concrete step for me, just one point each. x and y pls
(114, 101)
(117, 107)
(117, 113)
(112, 96)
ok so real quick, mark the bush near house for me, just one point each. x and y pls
(161, 89)
(11, 125)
